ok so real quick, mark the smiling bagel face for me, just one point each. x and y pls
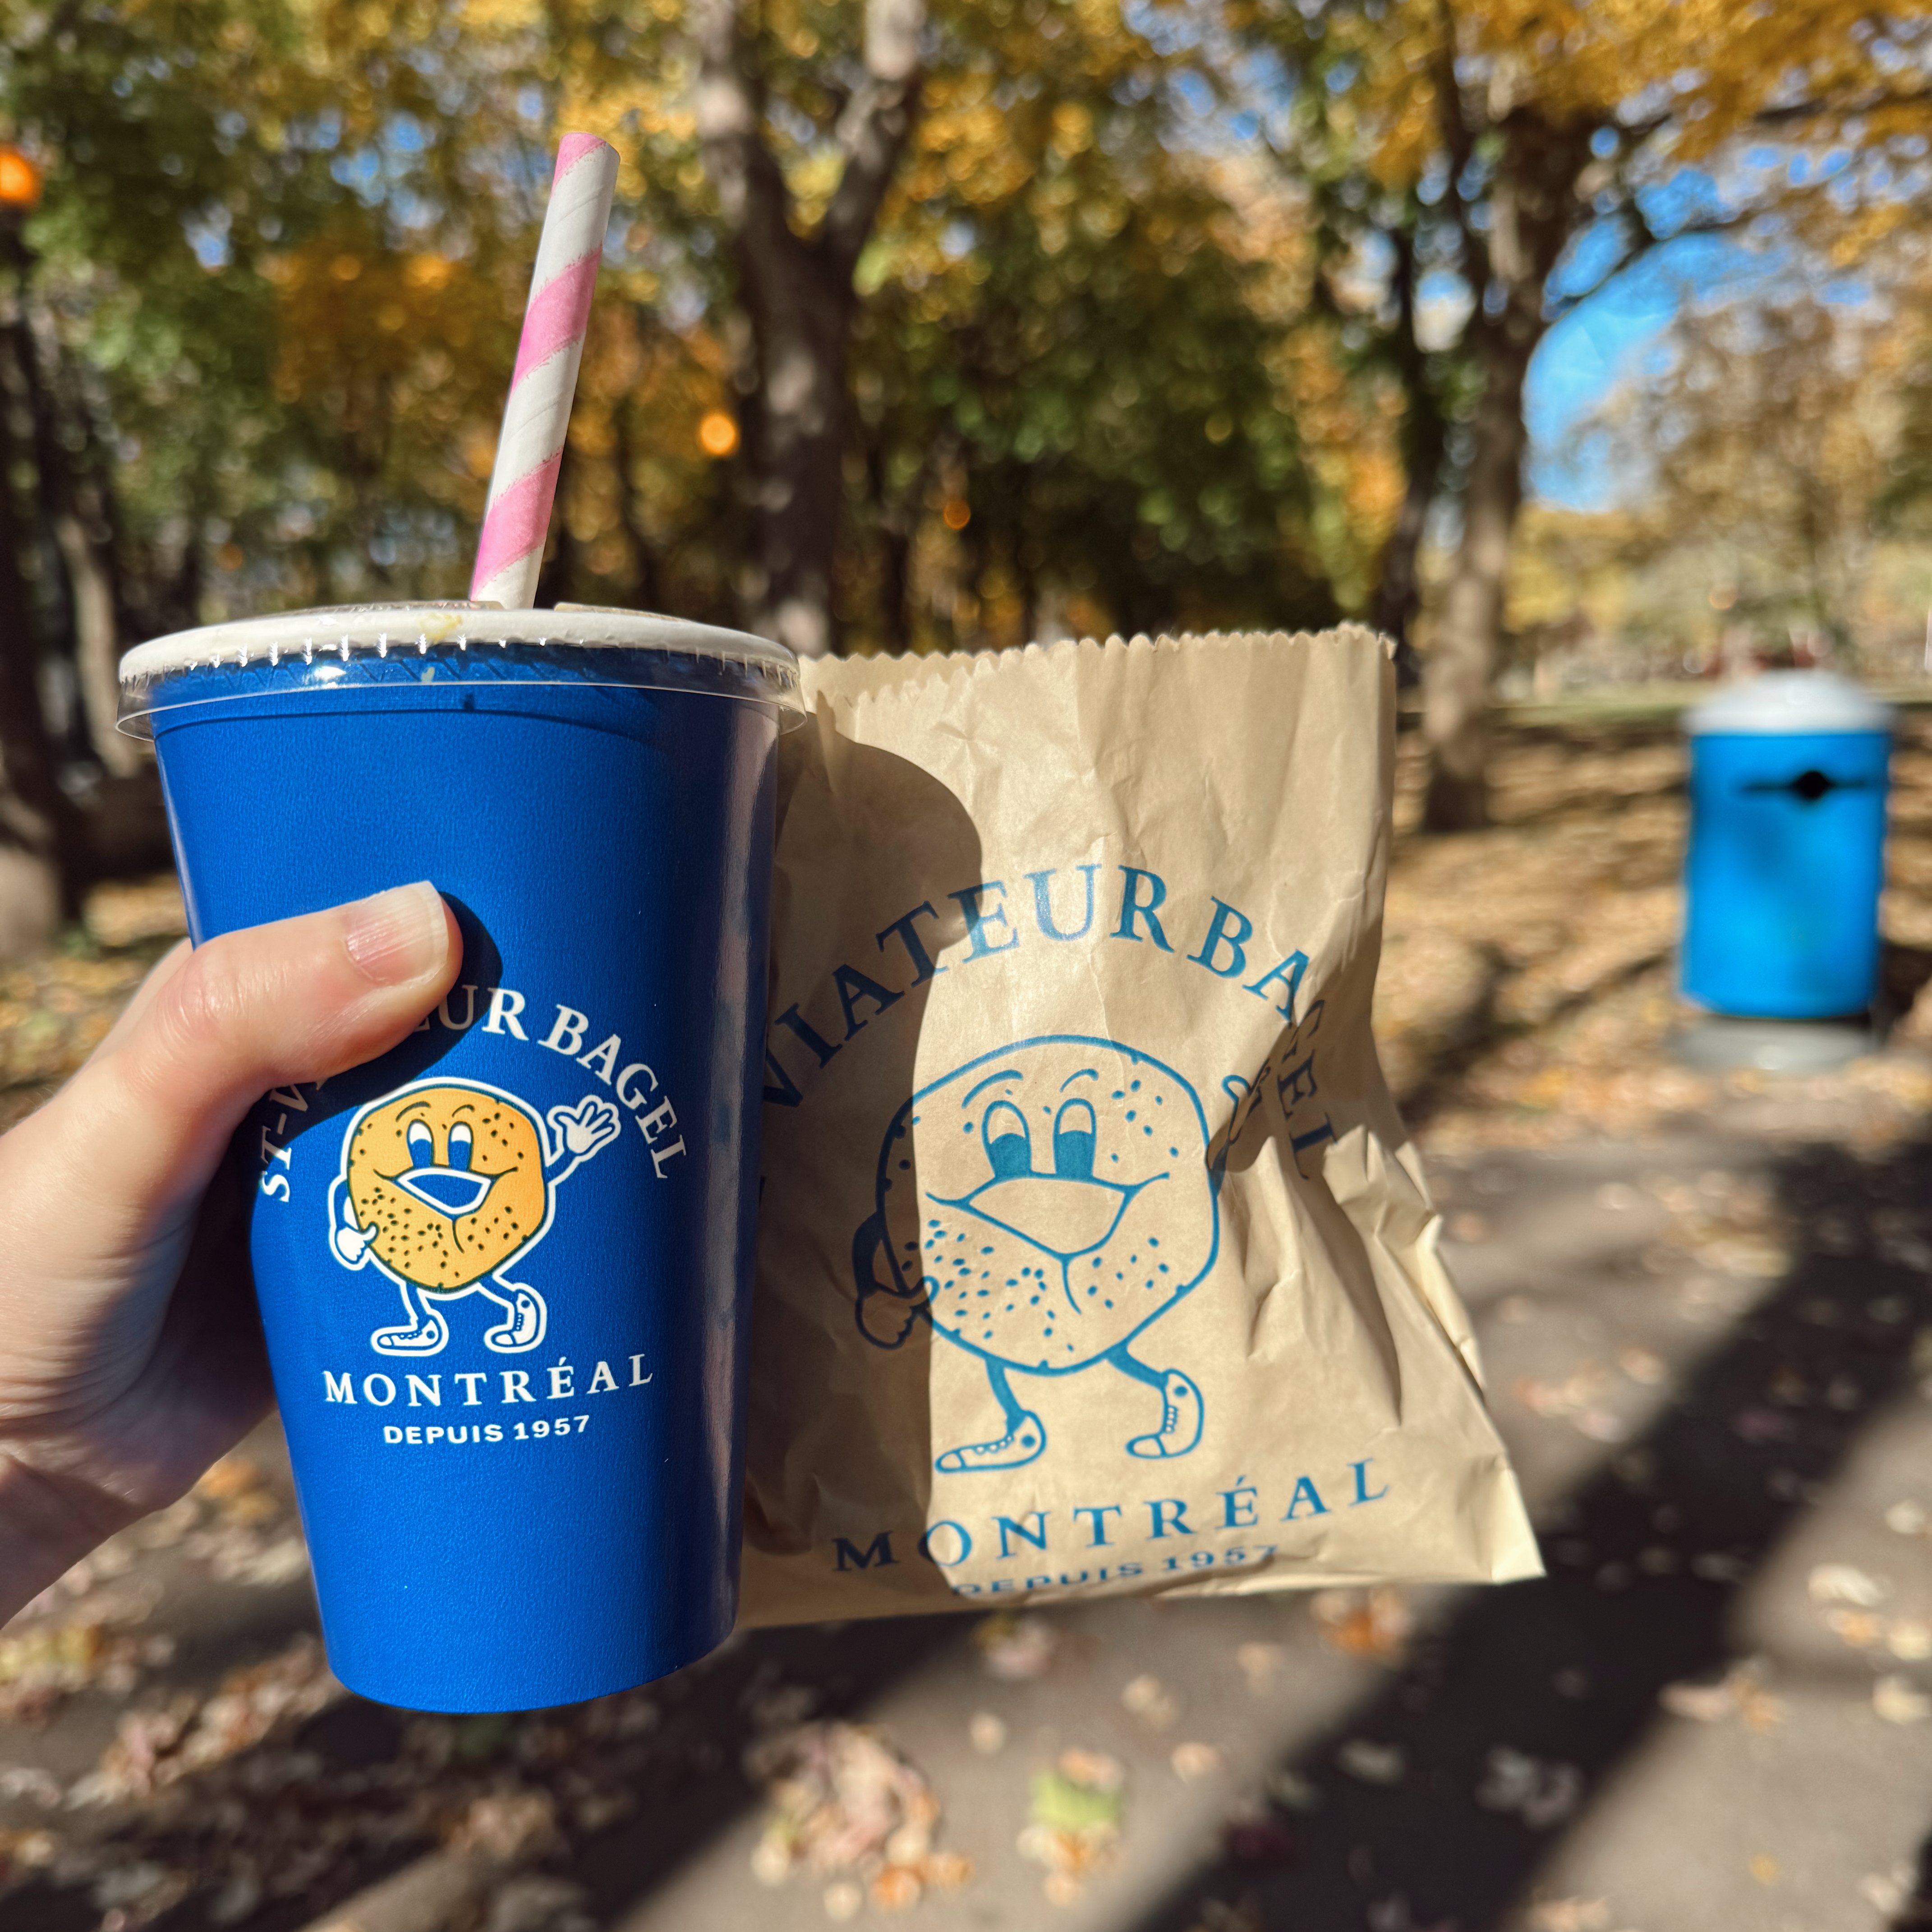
(1063, 1199)
(450, 1179)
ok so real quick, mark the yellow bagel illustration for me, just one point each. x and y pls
(441, 1186)
(447, 1143)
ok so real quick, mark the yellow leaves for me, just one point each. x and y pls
(813, 181)
(479, 450)
(370, 339)
(964, 146)
(1099, 19)
(500, 18)
(1072, 130)
(1864, 232)
(1715, 63)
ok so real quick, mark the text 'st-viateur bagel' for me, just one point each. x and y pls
(478, 1157)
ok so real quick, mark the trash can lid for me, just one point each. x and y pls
(1790, 703)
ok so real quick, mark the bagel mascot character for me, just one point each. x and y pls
(442, 1186)
(1042, 1206)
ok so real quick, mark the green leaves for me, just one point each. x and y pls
(285, 247)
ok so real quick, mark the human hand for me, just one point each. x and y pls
(130, 1350)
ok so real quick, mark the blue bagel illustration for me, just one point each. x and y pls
(1041, 1205)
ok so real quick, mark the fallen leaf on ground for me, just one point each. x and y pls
(1147, 1698)
(1740, 1692)
(1643, 1366)
(1373, 1623)
(1840, 1583)
(988, 1733)
(1394, 1914)
(1542, 1794)
(1018, 1649)
(1370, 1763)
(844, 1802)
(157, 1747)
(1887, 1893)
(1261, 1664)
(1569, 1915)
(1078, 1803)
(1898, 1700)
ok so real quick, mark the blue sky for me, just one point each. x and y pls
(1605, 341)
(1608, 338)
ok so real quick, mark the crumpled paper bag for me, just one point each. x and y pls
(1093, 1257)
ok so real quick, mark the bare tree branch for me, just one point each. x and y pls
(1812, 110)
(1459, 145)
(799, 297)
(873, 130)
(749, 184)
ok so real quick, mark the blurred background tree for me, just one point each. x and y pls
(926, 324)
(1766, 437)
(1526, 152)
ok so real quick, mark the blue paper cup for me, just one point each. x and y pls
(505, 1270)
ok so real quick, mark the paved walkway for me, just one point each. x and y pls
(1717, 1711)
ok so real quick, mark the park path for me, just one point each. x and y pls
(1705, 1306)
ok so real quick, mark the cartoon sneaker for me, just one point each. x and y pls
(1180, 1419)
(1026, 1439)
(524, 1328)
(426, 1337)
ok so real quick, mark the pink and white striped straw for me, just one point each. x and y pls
(530, 450)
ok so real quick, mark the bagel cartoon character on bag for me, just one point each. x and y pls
(442, 1186)
(1062, 1201)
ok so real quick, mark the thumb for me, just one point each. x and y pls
(149, 1116)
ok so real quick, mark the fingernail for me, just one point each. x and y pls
(398, 935)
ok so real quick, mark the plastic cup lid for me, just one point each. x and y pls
(1790, 703)
(360, 645)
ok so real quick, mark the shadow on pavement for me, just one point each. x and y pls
(679, 1776)
(1645, 1569)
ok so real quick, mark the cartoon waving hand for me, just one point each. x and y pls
(578, 1131)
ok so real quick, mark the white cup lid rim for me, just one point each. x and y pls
(355, 628)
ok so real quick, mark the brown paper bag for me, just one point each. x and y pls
(1093, 1257)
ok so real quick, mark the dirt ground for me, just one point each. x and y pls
(1705, 1302)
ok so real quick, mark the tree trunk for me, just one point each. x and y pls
(1462, 660)
(75, 518)
(1533, 208)
(794, 439)
(97, 643)
(39, 875)
(896, 521)
(798, 293)
(647, 589)
(1425, 436)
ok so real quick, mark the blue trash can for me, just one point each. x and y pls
(1787, 847)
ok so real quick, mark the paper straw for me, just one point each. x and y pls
(530, 450)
